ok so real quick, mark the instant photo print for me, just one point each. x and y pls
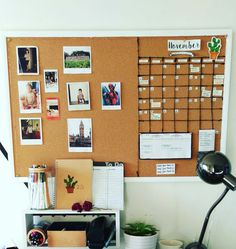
(27, 60)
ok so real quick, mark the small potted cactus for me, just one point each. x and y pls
(70, 184)
(214, 47)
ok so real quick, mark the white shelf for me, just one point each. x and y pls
(68, 212)
(34, 216)
(110, 247)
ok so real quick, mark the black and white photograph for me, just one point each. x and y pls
(77, 60)
(29, 96)
(78, 96)
(30, 131)
(27, 60)
(79, 134)
(111, 95)
(51, 80)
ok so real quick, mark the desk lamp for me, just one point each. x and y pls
(213, 168)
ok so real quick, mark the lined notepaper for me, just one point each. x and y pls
(108, 186)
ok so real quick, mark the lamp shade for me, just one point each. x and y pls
(215, 168)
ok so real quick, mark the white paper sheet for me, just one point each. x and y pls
(108, 187)
(165, 169)
(206, 140)
(165, 146)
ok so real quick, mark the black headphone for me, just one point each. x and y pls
(100, 233)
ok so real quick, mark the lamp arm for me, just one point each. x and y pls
(209, 214)
(3, 150)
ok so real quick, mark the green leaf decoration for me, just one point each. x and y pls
(214, 45)
(70, 181)
(140, 229)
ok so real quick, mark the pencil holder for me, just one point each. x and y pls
(37, 235)
(38, 188)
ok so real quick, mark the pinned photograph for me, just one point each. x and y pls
(27, 60)
(79, 134)
(51, 80)
(77, 60)
(53, 108)
(29, 96)
(30, 131)
(78, 96)
(111, 95)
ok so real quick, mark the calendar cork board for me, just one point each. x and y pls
(116, 133)
(172, 99)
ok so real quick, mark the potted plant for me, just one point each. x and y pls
(70, 184)
(139, 235)
(214, 47)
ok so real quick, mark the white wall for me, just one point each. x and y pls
(177, 208)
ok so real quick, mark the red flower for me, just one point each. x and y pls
(77, 207)
(87, 206)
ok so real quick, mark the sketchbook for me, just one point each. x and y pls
(108, 185)
(73, 182)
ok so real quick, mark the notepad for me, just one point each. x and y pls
(108, 185)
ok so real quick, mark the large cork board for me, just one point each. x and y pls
(115, 133)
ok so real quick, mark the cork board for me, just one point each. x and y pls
(172, 84)
(116, 133)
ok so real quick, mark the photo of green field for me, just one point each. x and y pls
(77, 59)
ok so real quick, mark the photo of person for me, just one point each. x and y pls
(53, 111)
(78, 96)
(30, 131)
(29, 96)
(111, 95)
(77, 60)
(27, 60)
(79, 134)
(51, 80)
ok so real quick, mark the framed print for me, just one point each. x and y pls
(30, 131)
(79, 134)
(77, 60)
(78, 96)
(53, 108)
(111, 95)
(29, 96)
(51, 80)
(27, 60)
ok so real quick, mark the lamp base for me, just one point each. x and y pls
(195, 245)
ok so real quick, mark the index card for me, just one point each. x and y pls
(206, 140)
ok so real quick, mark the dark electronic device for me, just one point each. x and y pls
(100, 233)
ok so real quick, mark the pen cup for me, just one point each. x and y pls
(170, 244)
(38, 188)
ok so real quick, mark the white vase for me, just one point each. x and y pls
(140, 242)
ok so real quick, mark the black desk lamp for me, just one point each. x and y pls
(213, 168)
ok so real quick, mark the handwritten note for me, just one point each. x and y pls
(165, 146)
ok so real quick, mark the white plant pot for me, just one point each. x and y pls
(140, 242)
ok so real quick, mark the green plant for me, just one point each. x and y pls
(214, 45)
(70, 183)
(140, 229)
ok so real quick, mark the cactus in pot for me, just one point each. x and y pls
(214, 47)
(70, 184)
